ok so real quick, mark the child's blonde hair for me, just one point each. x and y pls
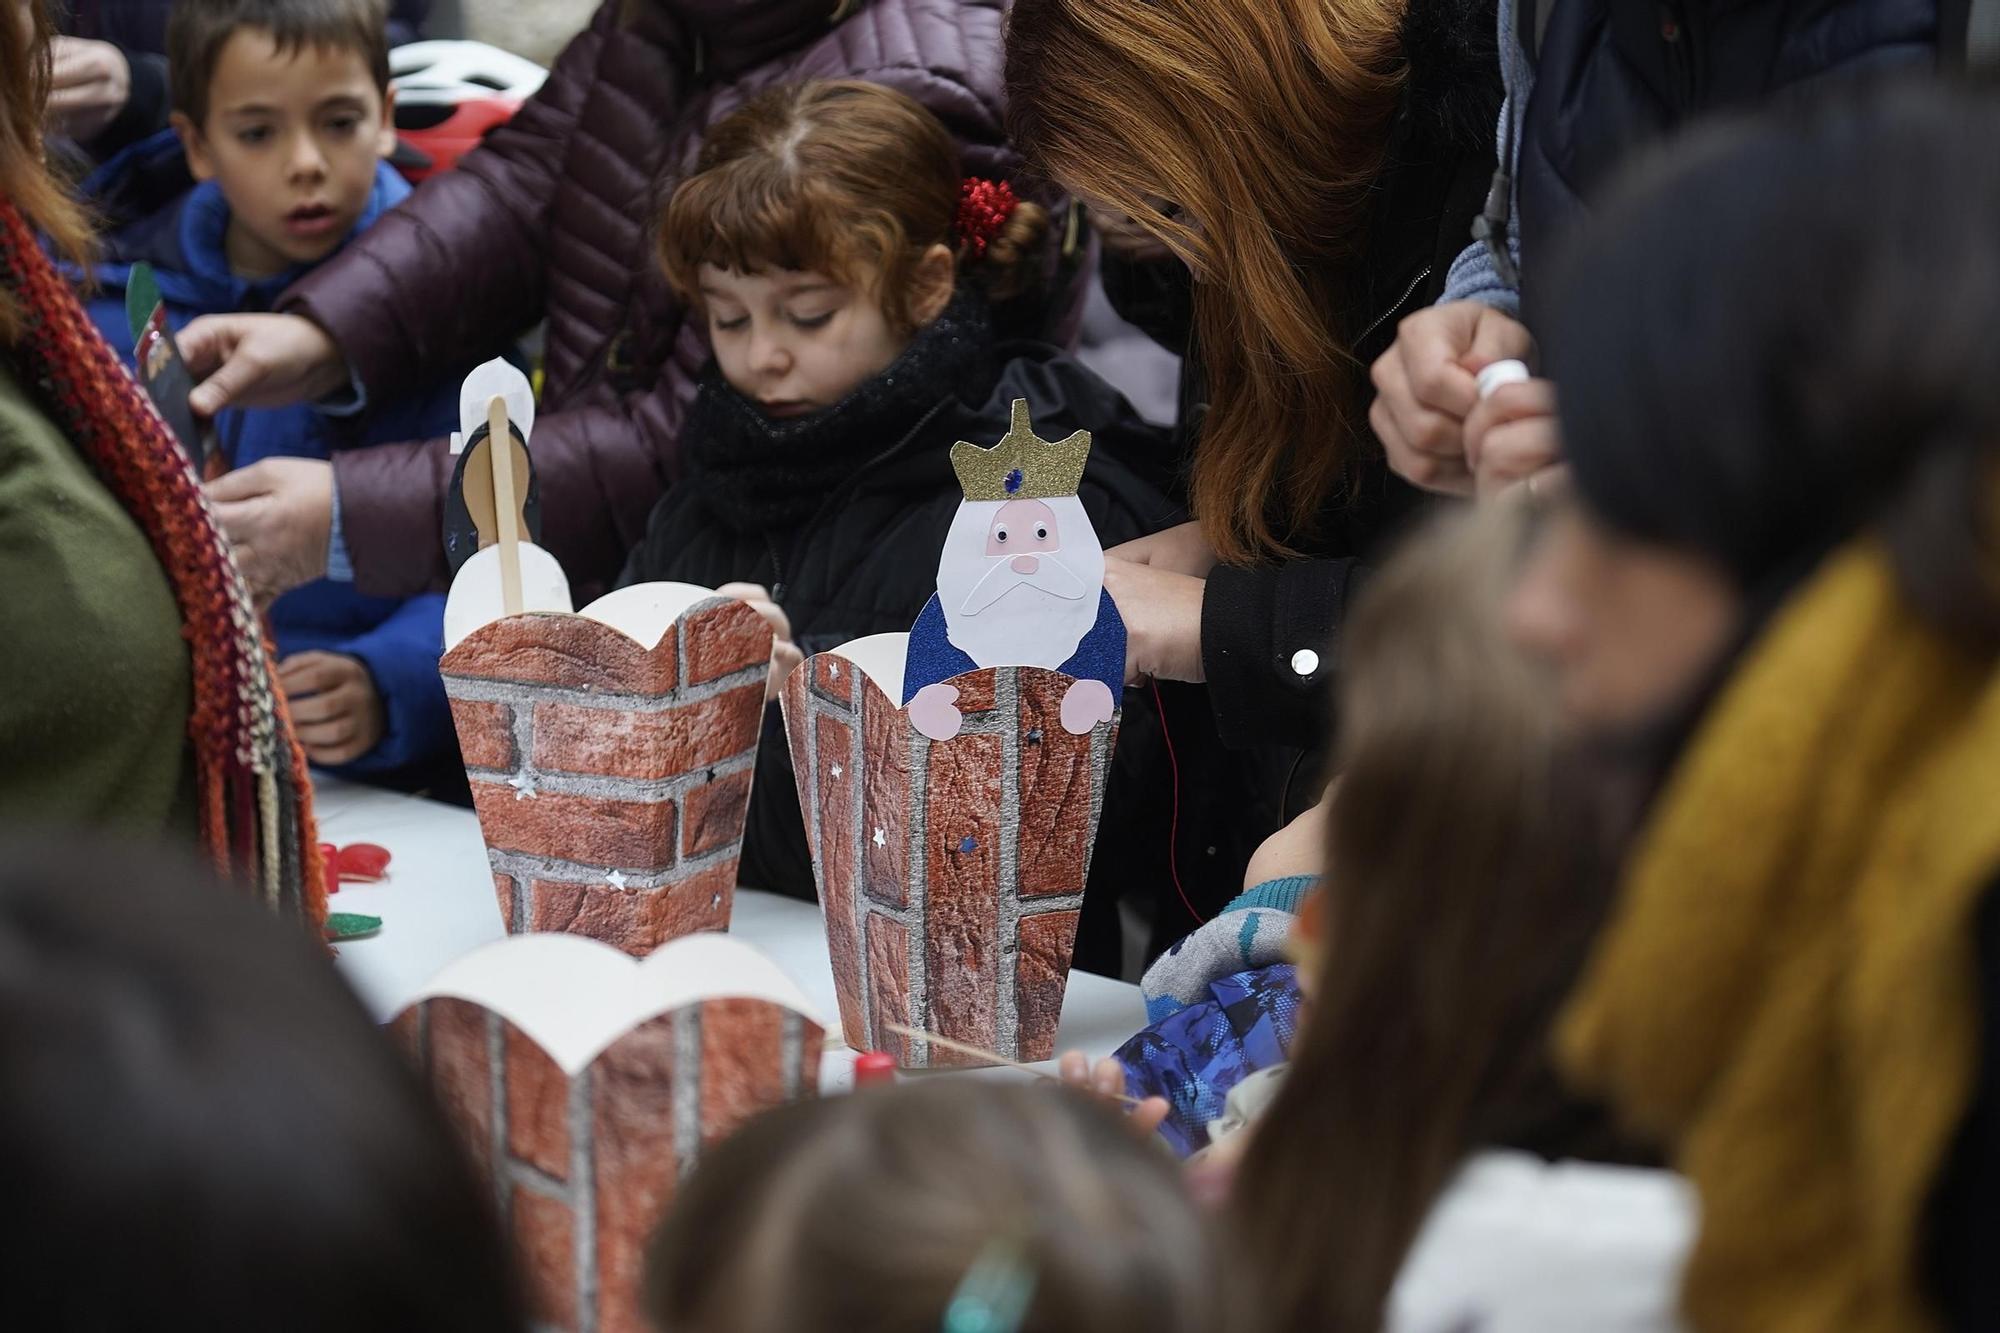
(841, 177)
(870, 1211)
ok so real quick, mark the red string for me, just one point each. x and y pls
(1174, 825)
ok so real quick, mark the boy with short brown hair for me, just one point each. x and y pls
(282, 117)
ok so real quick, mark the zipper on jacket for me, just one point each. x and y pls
(1401, 301)
(777, 571)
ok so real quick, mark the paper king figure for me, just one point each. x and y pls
(1020, 583)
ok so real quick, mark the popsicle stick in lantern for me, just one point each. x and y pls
(506, 506)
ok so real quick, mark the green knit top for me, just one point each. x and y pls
(95, 682)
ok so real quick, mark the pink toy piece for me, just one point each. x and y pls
(1087, 703)
(934, 712)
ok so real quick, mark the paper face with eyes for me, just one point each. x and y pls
(1020, 583)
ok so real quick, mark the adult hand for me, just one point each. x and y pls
(1106, 1079)
(785, 654)
(1426, 386)
(1162, 614)
(1513, 438)
(1179, 550)
(259, 361)
(337, 712)
(278, 516)
(89, 84)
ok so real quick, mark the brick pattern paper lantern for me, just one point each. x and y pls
(586, 1086)
(610, 754)
(950, 872)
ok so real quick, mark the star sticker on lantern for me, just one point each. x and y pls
(523, 785)
(879, 840)
(833, 670)
(616, 879)
(836, 770)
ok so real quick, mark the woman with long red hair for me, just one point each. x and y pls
(138, 690)
(1314, 165)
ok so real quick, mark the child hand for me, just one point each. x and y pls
(785, 654)
(337, 712)
(1211, 1173)
(785, 658)
(1106, 1079)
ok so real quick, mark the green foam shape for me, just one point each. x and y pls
(351, 925)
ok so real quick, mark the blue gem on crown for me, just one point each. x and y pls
(1014, 480)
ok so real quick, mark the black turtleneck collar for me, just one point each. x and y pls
(759, 475)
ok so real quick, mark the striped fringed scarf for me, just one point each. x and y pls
(256, 803)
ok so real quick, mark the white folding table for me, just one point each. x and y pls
(438, 903)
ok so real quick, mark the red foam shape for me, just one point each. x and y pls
(356, 863)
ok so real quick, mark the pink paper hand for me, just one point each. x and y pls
(1084, 705)
(935, 713)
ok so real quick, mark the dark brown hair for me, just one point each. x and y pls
(1265, 125)
(840, 177)
(1856, 393)
(867, 1211)
(195, 1098)
(25, 181)
(199, 29)
(1460, 899)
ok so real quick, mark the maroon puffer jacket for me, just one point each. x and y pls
(553, 218)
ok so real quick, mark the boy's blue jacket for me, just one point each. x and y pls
(154, 217)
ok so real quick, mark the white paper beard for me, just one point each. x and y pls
(1023, 625)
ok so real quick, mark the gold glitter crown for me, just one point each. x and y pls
(1023, 466)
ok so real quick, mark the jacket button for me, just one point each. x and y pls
(1305, 661)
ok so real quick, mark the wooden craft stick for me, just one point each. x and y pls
(506, 509)
(991, 1057)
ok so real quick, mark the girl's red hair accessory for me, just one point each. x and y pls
(983, 209)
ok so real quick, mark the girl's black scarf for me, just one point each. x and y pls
(758, 474)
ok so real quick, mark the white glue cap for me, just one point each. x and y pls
(1499, 373)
